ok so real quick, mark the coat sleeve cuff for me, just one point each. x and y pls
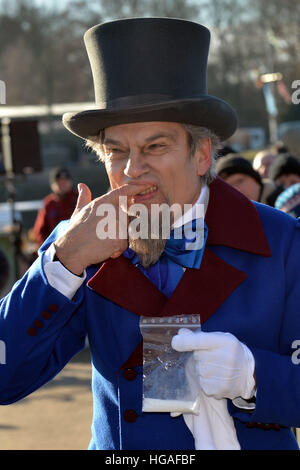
(59, 277)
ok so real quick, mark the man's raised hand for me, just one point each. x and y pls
(80, 245)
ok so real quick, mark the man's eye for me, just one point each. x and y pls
(154, 147)
(114, 152)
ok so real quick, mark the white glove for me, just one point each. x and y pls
(223, 366)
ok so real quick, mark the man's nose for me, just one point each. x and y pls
(136, 165)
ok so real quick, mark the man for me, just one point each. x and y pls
(57, 206)
(156, 130)
(239, 173)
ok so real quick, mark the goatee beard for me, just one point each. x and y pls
(149, 249)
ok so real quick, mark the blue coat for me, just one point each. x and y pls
(248, 285)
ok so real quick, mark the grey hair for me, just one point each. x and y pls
(195, 134)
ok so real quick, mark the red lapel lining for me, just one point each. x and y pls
(120, 281)
(203, 291)
(124, 284)
(232, 220)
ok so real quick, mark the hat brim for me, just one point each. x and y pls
(207, 111)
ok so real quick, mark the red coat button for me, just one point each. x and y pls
(32, 331)
(267, 426)
(53, 308)
(250, 425)
(46, 315)
(130, 374)
(38, 323)
(130, 416)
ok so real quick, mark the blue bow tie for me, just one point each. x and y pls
(184, 247)
(186, 244)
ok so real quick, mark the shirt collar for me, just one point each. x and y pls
(191, 214)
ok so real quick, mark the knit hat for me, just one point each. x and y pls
(289, 200)
(284, 164)
(232, 164)
(57, 173)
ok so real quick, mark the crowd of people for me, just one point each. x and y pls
(272, 178)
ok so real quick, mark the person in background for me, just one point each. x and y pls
(225, 150)
(262, 162)
(57, 206)
(289, 201)
(285, 171)
(239, 173)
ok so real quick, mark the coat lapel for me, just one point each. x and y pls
(197, 293)
(233, 221)
(121, 282)
(195, 284)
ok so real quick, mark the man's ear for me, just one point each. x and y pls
(203, 156)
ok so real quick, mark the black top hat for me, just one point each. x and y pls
(150, 69)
